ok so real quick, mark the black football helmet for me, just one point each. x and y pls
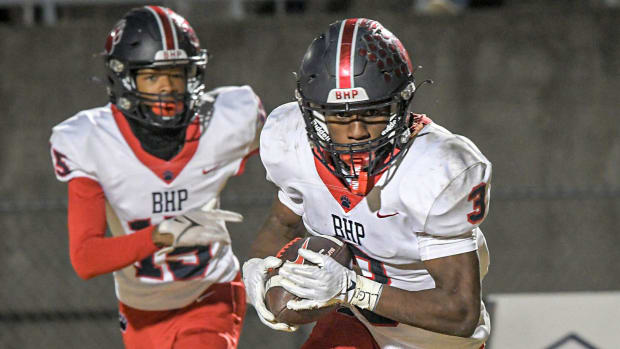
(154, 37)
(357, 67)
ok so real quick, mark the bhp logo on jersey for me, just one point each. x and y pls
(343, 95)
(169, 201)
(348, 229)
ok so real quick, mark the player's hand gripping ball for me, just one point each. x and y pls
(276, 296)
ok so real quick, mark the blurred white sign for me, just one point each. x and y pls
(583, 320)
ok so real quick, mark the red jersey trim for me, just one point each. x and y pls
(167, 171)
(244, 160)
(91, 252)
(339, 191)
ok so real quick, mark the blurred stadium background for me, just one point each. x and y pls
(533, 83)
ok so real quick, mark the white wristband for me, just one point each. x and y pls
(366, 294)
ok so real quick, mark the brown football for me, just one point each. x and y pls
(276, 297)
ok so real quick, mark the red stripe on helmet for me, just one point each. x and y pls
(108, 44)
(165, 22)
(404, 54)
(346, 44)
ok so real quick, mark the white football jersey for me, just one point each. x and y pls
(426, 206)
(143, 190)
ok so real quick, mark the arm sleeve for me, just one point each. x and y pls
(457, 211)
(92, 253)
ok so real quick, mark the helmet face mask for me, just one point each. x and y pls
(365, 159)
(155, 38)
(357, 68)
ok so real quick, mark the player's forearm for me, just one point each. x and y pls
(438, 310)
(96, 256)
(91, 252)
(280, 227)
(271, 237)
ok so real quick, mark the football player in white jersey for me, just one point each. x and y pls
(353, 161)
(150, 166)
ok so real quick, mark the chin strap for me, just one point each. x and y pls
(363, 184)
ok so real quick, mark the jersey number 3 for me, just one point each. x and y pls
(478, 197)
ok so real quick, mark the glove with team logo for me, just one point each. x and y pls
(327, 283)
(200, 227)
(254, 277)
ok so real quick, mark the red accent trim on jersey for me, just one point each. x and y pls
(165, 22)
(159, 166)
(337, 188)
(244, 160)
(346, 44)
(92, 253)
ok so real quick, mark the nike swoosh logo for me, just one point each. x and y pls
(204, 172)
(387, 215)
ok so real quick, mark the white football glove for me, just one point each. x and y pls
(201, 226)
(254, 277)
(327, 283)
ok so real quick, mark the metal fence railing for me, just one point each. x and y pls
(234, 9)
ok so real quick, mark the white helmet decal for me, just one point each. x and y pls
(346, 95)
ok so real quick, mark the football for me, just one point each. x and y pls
(276, 296)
